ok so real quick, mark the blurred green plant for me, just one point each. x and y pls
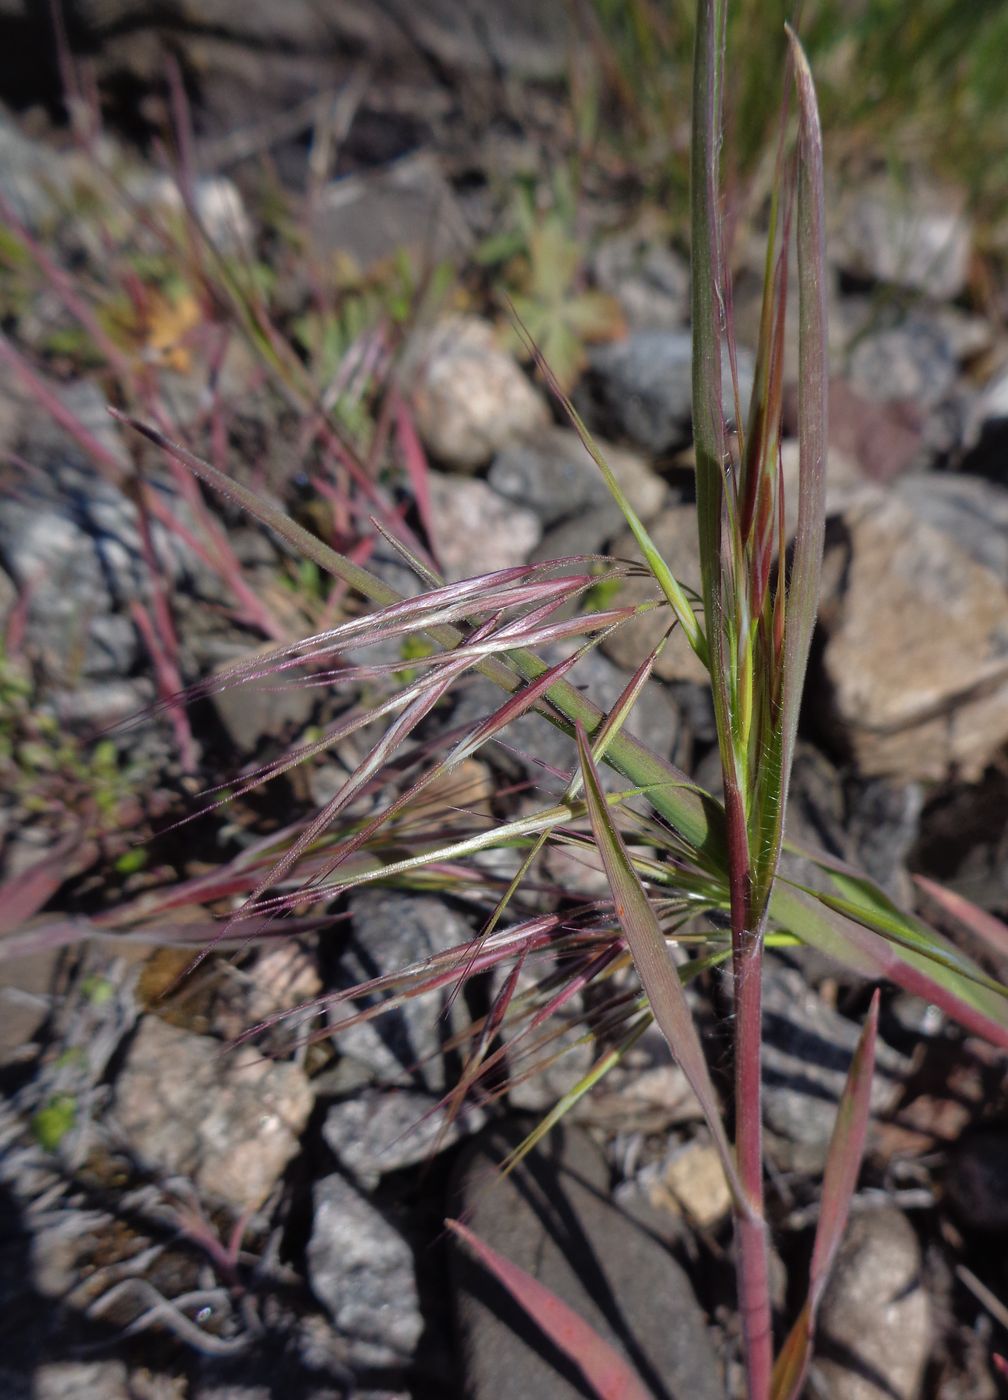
(542, 271)
(918, 85)
(48, 770)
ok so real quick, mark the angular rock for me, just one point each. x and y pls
(675, 535)
(217, 201)
(230, 1123)
(641, 388)
(266, 707)
(871, 824)
(72, 540)
(904, 371)
(807, 1048)
(916, 645)
(691, 1182)
(910, 360)
(554, 475)
(377, 1131)
(884, 439)
(875, 1324)
(35, 177)
(81, 1380)
(916, 237)
(475, 530)
(534, 744)
(26, 996)
(471, 398)
(964, 839)
(408, 205)
(590, 532)
(646, 1092)
(390, 932)
(362, 1270)
(844, 477)
(970, 511)
(551, 1217)
(913, 360)
(536, 1080)
(530, 38)
(648, 278)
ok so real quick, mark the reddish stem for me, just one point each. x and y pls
(752, 1261)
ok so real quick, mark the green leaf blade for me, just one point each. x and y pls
(657, 973)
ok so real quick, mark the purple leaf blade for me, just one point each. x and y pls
(657, 973)
(843, 1164)
(985, 926)
(601, 1365)
(870, 953)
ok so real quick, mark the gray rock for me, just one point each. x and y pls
(977, 1181)
(551, 1217)
(914, 1019)
(476, 530)
(882, 822)
(909, 365)
(377, 1132)
(969, 510)
(34, 177)
(26, 997)
(648, 278)
(875, 1325)
(544, 1064)
(916, 645)
(555, 475)
(391, 932)
(913, 360)
(81, 1380)
(97, 706)
(641, 387)
(524, 39)
(405, 206)
(268, 707)
(533, 743)
(72, 539)
(361, 1269)
(589, 532)
(871, 824)
(230, 1122)
(807, 1049)
(917, 237)
(471, 398)
(217, 203)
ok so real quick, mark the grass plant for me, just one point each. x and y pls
(694, 883)
(676, 861)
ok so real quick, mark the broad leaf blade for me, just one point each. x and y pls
(846, 1149)
(985, 926)
(658, 976)
(803, 584)
(601, 1365)
(873, 956)
(843, 1164)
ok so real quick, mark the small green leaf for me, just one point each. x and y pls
(52, 1123)
(131, 861)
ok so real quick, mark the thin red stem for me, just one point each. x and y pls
(752, 1260)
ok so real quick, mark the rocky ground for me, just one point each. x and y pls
(181, 1218)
